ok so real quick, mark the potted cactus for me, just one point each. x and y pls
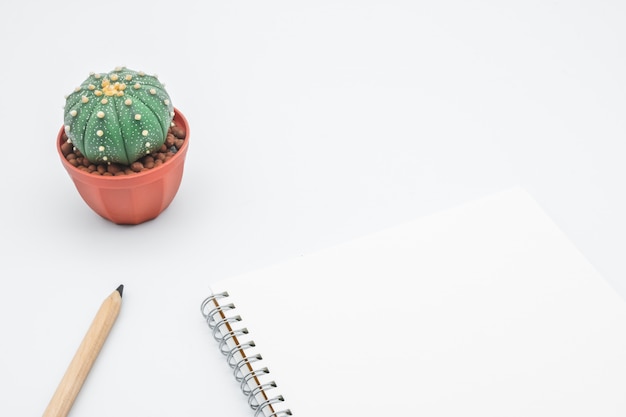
(123, 145)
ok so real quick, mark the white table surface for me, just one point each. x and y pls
(311, 123)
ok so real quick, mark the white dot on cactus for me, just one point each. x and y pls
(67, 129)
(145, 133)
(128, 77)
(91, 73)
(152, 91)
(104, 101)
(166, 102)
(137, 86)
(137, 116)
(84, 99)
(128, 102)
(92, 87)
(77, 89)
(97, 76)
(73, 113)
(100, 133)
(147, 144)
(172, 114)
(114, 77)
(100, 115)
(141, 73)
(104, 158)
(70, 141)
(118, 68)
(101, 148)
(98, 93)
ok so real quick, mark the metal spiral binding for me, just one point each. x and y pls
(226, 330)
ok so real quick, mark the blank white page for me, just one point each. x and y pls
(482, 310)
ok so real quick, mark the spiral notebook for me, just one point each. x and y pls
(482, 310)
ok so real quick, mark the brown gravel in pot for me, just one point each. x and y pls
(173, 142)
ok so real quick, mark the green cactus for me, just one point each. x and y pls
(118, 117)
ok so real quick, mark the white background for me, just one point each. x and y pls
(312, 122)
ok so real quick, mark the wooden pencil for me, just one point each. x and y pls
(81, 364)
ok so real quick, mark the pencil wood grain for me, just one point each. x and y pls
(85, 356)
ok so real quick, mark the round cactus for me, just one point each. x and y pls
(118, 117)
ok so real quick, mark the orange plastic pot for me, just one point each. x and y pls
(131, 199)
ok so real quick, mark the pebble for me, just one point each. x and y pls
(178, 131)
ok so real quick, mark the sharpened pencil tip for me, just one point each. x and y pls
(120, 289)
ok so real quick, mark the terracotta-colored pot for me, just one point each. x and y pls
(135, 198)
